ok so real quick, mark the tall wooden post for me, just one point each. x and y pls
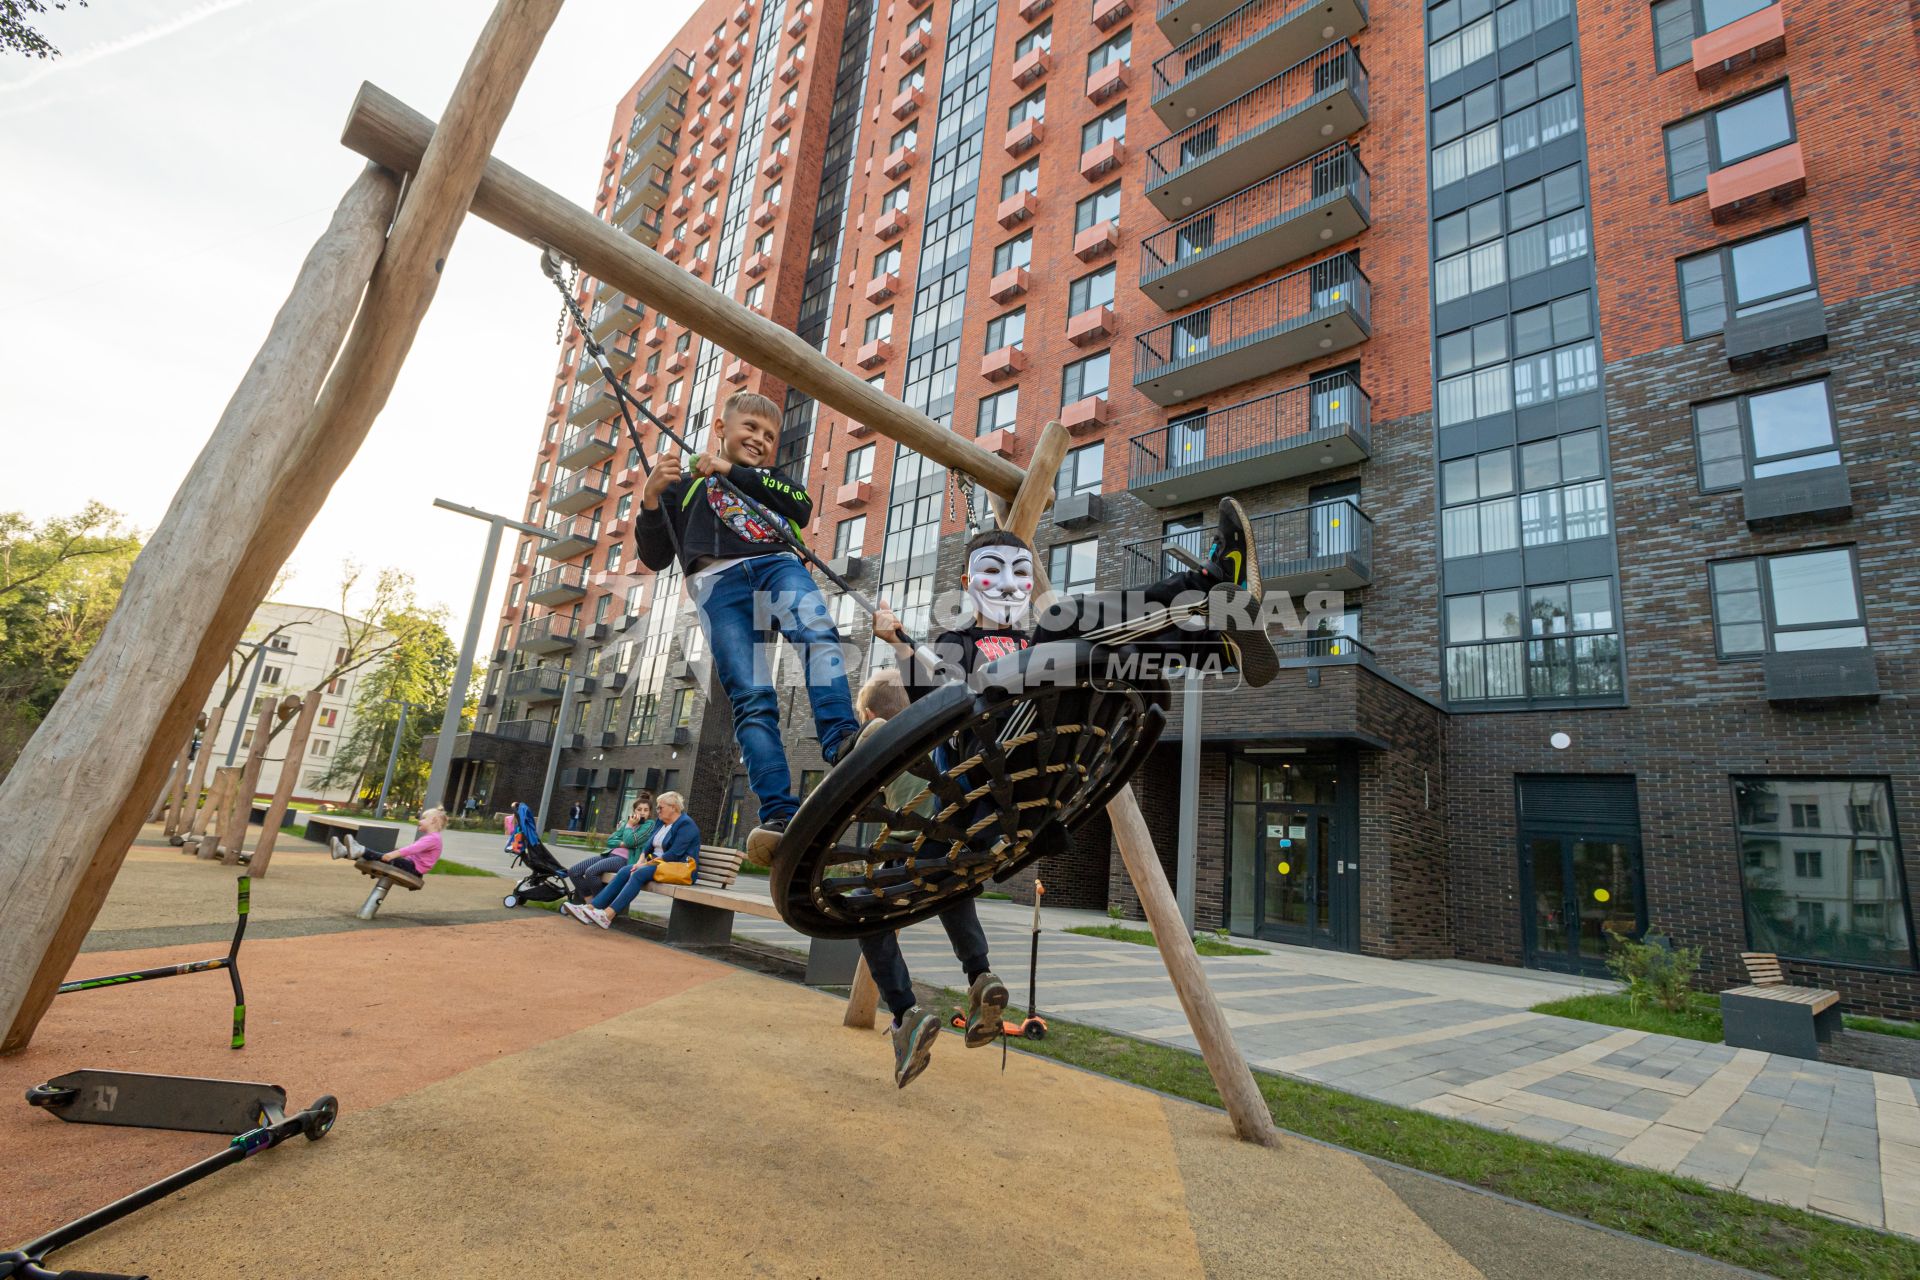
(226, 779)
(233, 837)
(289, 775)
(164, 799)
(195, 825)
(181, 790)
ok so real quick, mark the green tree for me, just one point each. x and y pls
(417, 668)
(18, 37)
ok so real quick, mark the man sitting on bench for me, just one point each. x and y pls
(417, 857)
(676, 840)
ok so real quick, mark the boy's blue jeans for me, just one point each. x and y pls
(742, 609)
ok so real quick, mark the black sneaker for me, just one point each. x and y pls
(764, 841)
(1235, 560)
(913, 1038)
(986, 1004)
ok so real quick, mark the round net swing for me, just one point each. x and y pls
(969, 784)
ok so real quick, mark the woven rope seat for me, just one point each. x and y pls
(970, 784)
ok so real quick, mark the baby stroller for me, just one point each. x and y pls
(546, 880)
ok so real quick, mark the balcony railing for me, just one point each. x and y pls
(645, 225)
(572, 535)
(1281, 121)
(526, 730)
(670, 80)
(537, 684)
(1223, 61)
(1296, 431)
(591, 402)
(562, 584)
(609, 315)
(1324, 547)
(580, 490)
(587, 446)
(1178, 19)
(549, 634)
(656, 146)
(1311, 312)
(1320, 201)
(649, 189)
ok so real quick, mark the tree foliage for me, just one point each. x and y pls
(59, 582)
(17, 34)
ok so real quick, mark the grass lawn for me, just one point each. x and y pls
(1674, 1211)
(1144, 938)
(448, 867)
(1701, 1021)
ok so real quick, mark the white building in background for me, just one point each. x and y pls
(310, 645)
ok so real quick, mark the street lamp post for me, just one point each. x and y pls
(469, 644)
(393, 757)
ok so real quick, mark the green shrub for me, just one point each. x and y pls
(1656, 972)
(1115, 911)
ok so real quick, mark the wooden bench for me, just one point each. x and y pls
(1770, 1015)
(322, 827)
(702, 916)
(385, 875)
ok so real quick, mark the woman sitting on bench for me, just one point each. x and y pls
(623, 850)
(675, 839)
(417, 857)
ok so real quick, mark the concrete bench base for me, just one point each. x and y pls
(1778, 1026)
(694, 924)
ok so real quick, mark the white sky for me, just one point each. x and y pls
(159, 185)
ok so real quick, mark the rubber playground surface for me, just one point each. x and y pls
(521, 1093)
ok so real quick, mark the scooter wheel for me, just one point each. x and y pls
(42, 1095)
(1034, 1031)
(319, 1118)
(509, 902)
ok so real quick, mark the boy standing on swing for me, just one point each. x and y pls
(749, 588)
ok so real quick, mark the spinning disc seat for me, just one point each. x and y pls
(1000, 772)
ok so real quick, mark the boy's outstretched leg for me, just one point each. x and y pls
(986, 994)
(913, 1029)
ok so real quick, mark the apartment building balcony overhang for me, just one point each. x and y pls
(612, 315)
(572, 536)
(1312, 312)
(1323, 200)
(1211, 67)
(622, 349)
(592, 403)
(540, 731)
(562, 584)
(1279, 122)
(1296, 431)
(551, 634)
(536, 685)
(672, 80)
(656, 146)
(587, 446)
(647, 190)
(1327, 546)
(645, 225)
(579, 491)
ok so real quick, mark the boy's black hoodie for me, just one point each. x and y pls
(712, 524)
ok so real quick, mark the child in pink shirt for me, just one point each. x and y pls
(417, 857)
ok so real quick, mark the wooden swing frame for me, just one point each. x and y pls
(79, 792)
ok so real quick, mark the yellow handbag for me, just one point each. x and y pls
(674, 872)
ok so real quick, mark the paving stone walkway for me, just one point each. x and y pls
(1457, 1040)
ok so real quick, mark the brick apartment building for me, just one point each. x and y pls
(1562, 337)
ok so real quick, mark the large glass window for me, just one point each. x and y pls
(1007, 330)
(1017, 252)
(1085, 378)
(1787, 603)
(1474, 376)
(1555, 641)
(1081, 471)
(1072, 566)
(1468, 251)
(1110, 127)
(1102, 206)
(1764, 433)
(850, 536)
(1726, 135)
(1768, 271)
(859, 466)
(1820, 866)
(998, 410)
(1466, 136)
(1677, 23)
(1544, 492)
(1546, 223)
(1095, 289)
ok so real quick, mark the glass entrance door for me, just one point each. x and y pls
(1581, 892)
(1307, 889)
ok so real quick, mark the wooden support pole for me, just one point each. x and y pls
(202, 810)
(226, 779)
(55, 871)
(233, 841)
(387, 131)
(289, 774)
(863, 999)
(1252, 1122)
(177, 810)
(163, 801)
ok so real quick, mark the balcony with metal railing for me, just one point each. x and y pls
(622, 350)
(610, 315)
(648, 189)
(537, 684)
(671, 81)
(525, 730)
(645, 225)
(580, 490)
(1324, 547)
(1320, 201)
(554, 633)
(572, 536)
(1178, 19)
(562, 584)
(592, 402)
(1217, 64)
(656, 146)
(1315, 311)
(587, 446)
(1273, 125)
(1292, 432)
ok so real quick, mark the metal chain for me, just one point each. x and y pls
(560, 325)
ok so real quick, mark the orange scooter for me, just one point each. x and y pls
(1033, 1026)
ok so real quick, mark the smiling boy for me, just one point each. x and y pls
(749, 587)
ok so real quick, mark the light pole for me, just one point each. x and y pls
(253, 684)
(469, 643)
(571, 691)
(393, 757)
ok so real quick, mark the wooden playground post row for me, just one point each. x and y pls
(72, 803)
(283, 794)
(233, 836)
(181, 789)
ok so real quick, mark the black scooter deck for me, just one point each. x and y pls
(139, 1100)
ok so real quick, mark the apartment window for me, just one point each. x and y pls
(1554, 356)
(1787, 603)
(513, 596)
(1102, 206)
(272, 675)
(1073, 566)
(1095, 289)
(329, 717)
(859, 465)
(1025, 177)
(1546, 223)
(1554, 641)
(898, 198)
(1081, 471)
(879, 325)
(1768, 271)
(1017, 252)
(685, 341)
(906, 138)
(850, 536)
(623, 508)
(1455, 46)
(1007, 330)
(1469, 252)
(763, 243)
(319, 748)
(1032, 107)
(921, 22)
(775, 193)
(1556, 493)
(1085, 378)
(1466, 136)
(1040, 37)
(914, 79)
(339, 687)
(1111, 127)
(1677, 23)
(615, 555)
(284, 643)
(683, 708)
(1474, 377)
(1728, 134)
(1118, 49)
(997, 411)
(886, 261)
(782, 145)
(1841, 896)
(1536, 125)
(636, 596)
(1764, 433)
(711, 205)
